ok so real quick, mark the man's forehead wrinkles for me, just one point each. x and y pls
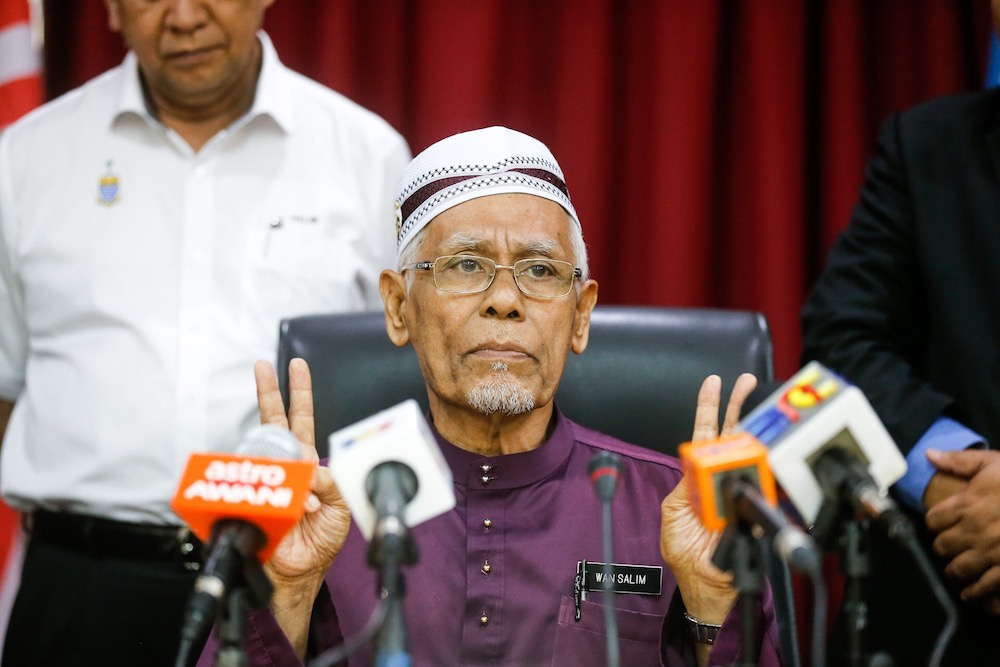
(462, 241)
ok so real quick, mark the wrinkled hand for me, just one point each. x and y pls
(686, 546)
(967, 523)
(311, 546)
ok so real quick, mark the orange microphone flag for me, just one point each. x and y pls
(708, 464)
(266, 492)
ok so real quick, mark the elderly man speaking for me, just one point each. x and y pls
(492, 291)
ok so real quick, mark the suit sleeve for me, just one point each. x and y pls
(867, 317)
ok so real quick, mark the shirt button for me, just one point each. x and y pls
(486, 567)
(484, 619)
(486, 478)
(487, 524)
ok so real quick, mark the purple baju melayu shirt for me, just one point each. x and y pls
(494, 584)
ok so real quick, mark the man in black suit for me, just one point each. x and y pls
(909, 309)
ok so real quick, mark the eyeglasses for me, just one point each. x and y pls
(468, 274)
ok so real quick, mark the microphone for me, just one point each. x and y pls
(388, 467)
(846, 477)
(391, 486)
(604, 469)
(730, 480)
(732, 485)
(821, 432)
(241, 505)
(829, 451)
(393, 476)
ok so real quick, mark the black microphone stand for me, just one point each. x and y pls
(392, 546)
(837, 526)
(852, 504)
(741, 554)
(232, 630)
(233, 559)
(610, 621)
(251, 589)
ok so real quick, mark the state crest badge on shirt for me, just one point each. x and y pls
(109, 187)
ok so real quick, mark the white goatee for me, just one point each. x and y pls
(500, 394)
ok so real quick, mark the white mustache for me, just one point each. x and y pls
(504, 331)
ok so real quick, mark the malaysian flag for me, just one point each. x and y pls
(20, 59)
(21, 90)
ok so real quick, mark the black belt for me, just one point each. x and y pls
(105, 538)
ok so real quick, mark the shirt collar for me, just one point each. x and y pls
(130, 98)
(273, 96)
(510, 471)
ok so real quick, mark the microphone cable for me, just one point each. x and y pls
(351, 644)
(900, 529)
(818, 637)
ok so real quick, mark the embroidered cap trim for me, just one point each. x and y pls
(508, 162)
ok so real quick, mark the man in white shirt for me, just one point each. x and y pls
(155, 226)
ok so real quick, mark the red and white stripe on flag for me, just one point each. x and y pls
(20, 62)
(11, 556)
(20, 91)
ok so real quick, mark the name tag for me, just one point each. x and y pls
(627, 579)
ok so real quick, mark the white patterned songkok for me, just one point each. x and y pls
(490, 161)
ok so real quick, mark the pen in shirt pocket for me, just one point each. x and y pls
(278, 222)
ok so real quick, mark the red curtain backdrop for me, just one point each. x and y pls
(713, 148)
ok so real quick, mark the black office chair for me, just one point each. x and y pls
(638, 378)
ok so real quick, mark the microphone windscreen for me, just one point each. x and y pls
(604, 469)
(270, 441)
